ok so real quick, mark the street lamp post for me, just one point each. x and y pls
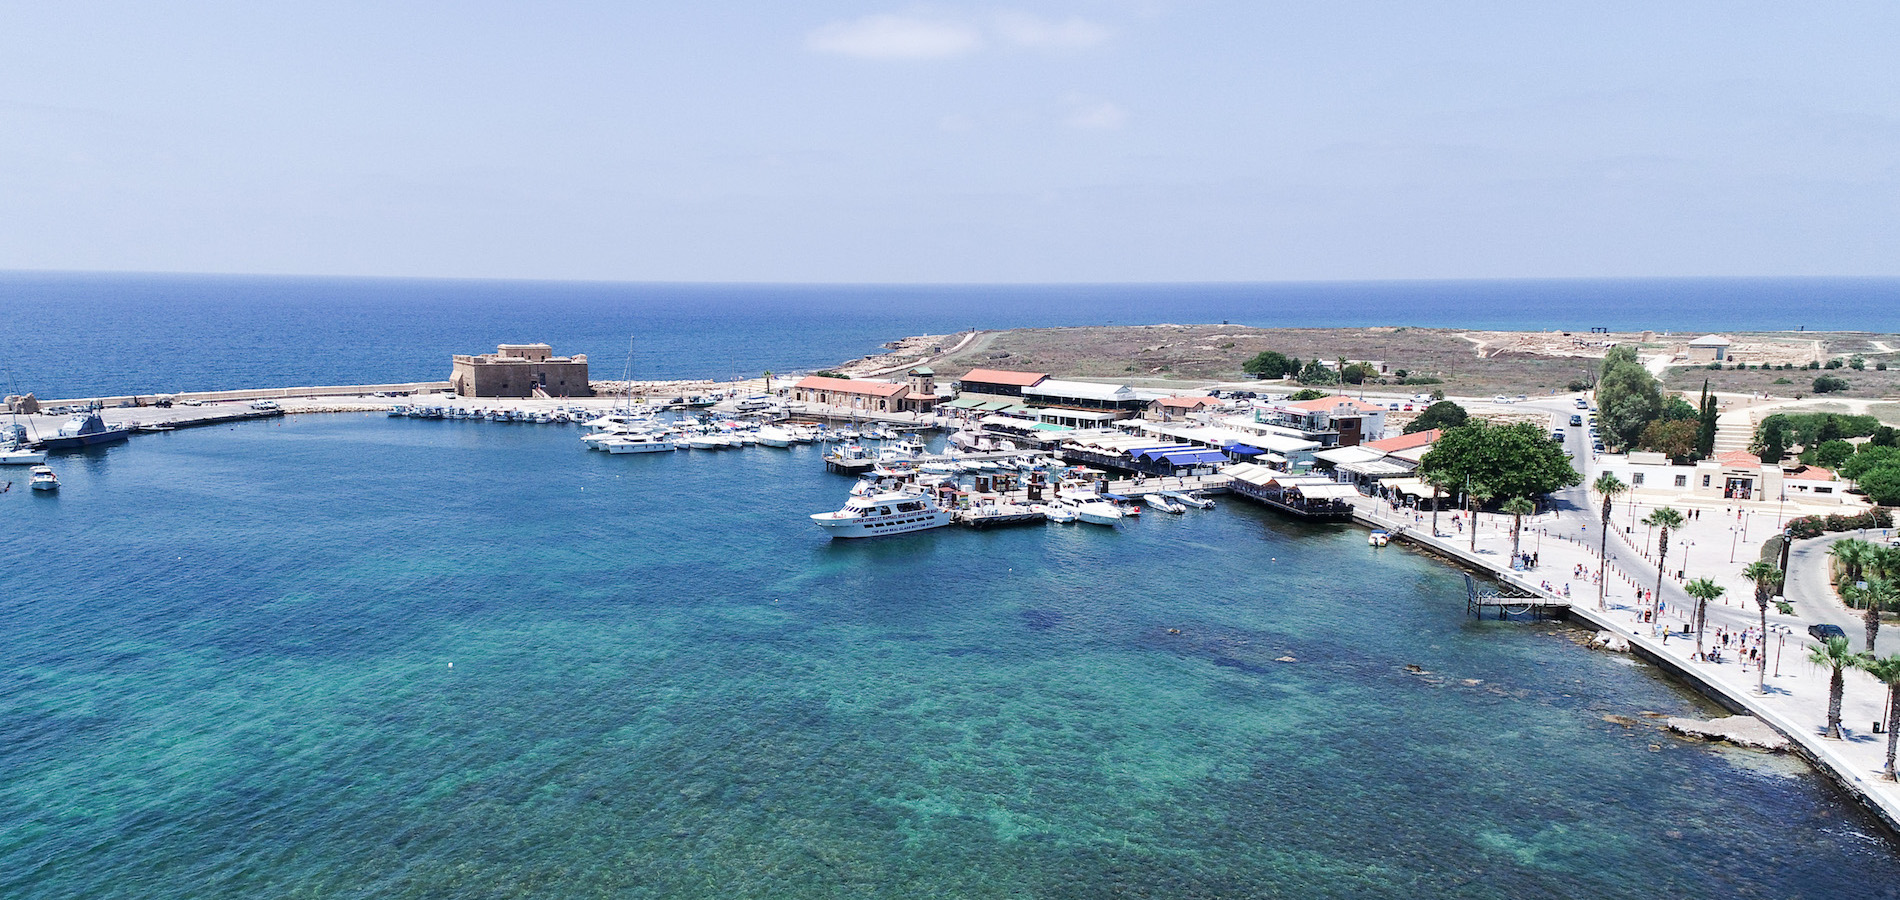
(1733, 535)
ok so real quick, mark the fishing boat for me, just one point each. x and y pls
(879, 514)
(1163, 503)
(43, 479)
(86, 431)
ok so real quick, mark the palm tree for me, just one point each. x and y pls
(1878, 594)
(1663, 518)
(1888, 672)
(1767, 580)
(1518, 508)
(1609, 486)
(1703, 590)
(1437, 481)
(1851, 555)
(1835, 655)
(1478, 493)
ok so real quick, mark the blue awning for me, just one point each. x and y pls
(1193, 457)
(1244, 450)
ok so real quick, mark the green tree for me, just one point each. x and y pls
(1665, 519)
(1676, 440)
(1881, 484)
(1705, 423)
(1306, 394)
(1830, 455)
(1887, 672)
(1268, 364)
(1517, 508)
(1878, 594)
(1609, 486)
(1443, 414)
(1868, 457)
(1830, 384)
(1771, 441)
(1314, 373)
(1511, 460)
(1676, 409)
(1767, 581)
(1883, 436)
(1834, 655)
(1703, 590)
(1850, 555)
(1628, 399)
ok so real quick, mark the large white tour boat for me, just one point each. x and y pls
(878, 514)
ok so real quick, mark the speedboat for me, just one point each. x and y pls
(878, 514)
(774, 436)
(636, 443)
(705, 442)
(991, 515)
(1162, 503)
(1058, 513)
(1379, 537)
(1192, 499)
(44, 480)
(85, 431)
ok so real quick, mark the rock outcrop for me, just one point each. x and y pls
(1744, 731)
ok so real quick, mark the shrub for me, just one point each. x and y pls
(1834, 363)
(1421, 379)
(1857, 362)
(1880, 366)
(1715, 366)
(1783, 381)
(1829, 384)
(1577, 384)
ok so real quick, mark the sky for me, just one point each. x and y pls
(831, 141)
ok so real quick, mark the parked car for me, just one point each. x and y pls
(1824, 631)
(1582, 403)
(1576, 421)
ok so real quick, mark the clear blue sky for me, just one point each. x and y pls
(946, 142)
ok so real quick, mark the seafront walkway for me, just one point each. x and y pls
(1564, 545)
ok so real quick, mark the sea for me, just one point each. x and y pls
(348, 655)
(89, 335)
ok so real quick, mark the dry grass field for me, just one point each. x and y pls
(1469, 363)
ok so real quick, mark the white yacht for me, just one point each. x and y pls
(774, 436)
(44, 479)
(1099, 511)
(877, 514)
(636, 443)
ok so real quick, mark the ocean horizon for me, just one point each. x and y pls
(105, 334)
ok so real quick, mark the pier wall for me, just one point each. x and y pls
(340, 390)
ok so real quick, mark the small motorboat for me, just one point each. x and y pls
(1379, 537)
(1099, 512)
(44, 480)
(1057, 513)
(1190, 498)
(1164, 504)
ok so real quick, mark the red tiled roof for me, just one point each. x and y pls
(1809, 473)
(1187, 402)
(1738, 458)
(1328, 404)
(1405, 441)
(850, 386)
(1003, 376)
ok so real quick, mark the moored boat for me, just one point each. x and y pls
(1163, 503)
(636, 443)
(85, 431)
(43, 479)
(879, 514)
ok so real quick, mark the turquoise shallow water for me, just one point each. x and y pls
(353, 656)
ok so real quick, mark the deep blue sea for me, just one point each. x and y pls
(82, 335)
(353, 656)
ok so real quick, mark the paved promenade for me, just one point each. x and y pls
(1565, 544)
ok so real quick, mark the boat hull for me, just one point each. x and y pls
(880, 526)
(21, 457)
(85, 440)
